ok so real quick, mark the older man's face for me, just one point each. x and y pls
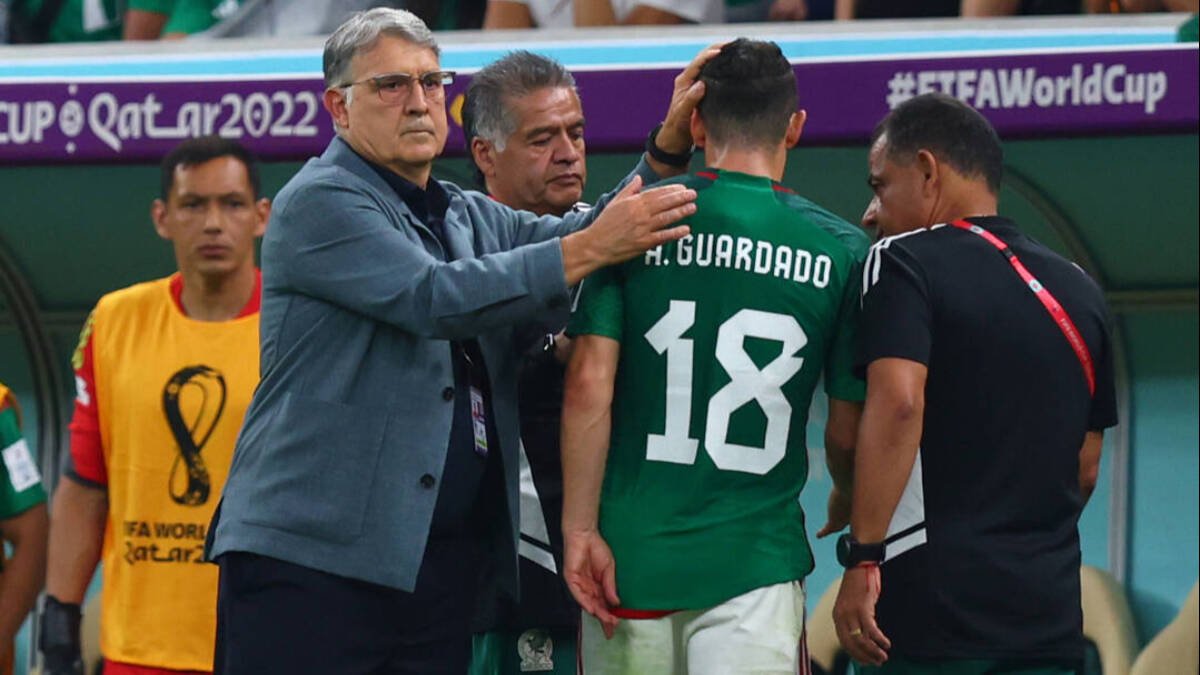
(405, 134)
(541, 167)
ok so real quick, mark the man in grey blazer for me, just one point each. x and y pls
(376, 470)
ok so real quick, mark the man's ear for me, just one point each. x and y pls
(931, 172)
(795, 128)
(158, 215)
(484, 154)
(335, 103)
(699, 132)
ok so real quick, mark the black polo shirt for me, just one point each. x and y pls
(472, 485)
(983, 550)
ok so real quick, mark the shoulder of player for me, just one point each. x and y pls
(851, 236)
(697, 181)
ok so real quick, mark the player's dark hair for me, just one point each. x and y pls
(749, 93)
(204, 149)
(951, 130)
(486, 112)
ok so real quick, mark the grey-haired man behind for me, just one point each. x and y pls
(524, 125)
(376, 471)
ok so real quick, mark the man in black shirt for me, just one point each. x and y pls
(524, 124)
(989, 384)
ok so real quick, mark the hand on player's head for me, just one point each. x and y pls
(676, 134)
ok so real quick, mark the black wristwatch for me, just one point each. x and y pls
(668, 158)
(851, 553)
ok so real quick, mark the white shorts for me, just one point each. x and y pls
(760, 632)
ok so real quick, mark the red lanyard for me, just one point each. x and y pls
(1061, 319)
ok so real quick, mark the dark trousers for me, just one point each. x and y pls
(277, 617)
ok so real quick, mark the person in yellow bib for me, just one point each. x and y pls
(22, 526)
(164, 371)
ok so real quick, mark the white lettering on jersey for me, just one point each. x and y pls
(744, 246)
(747, 384)
(745, 255)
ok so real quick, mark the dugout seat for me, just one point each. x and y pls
(824, 649)
(1107, 620)
(1175, 650)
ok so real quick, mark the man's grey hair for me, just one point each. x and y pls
(361, 31)
(486, 112)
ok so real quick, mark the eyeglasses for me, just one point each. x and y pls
(393, 88)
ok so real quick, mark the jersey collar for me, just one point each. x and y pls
(252, 305)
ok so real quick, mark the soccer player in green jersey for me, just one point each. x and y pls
(687, 399)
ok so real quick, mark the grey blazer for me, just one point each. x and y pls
(339, 460)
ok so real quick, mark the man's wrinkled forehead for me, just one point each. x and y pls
(559, 105)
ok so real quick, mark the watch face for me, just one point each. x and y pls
(843, 550)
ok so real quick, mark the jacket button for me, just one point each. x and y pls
(428, 480)
(448, 393)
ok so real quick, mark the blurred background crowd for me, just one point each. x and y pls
(41, 21)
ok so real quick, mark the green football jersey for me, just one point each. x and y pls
(20, 482)
(91, 20)
(724, 336)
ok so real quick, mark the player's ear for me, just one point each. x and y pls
(484, 154)
(158, 215)
(795, 128)
(699, 131)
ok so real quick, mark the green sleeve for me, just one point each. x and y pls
(840, 381)
(156, 6)
(600, 309)
(190, 16)
(20, 484)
